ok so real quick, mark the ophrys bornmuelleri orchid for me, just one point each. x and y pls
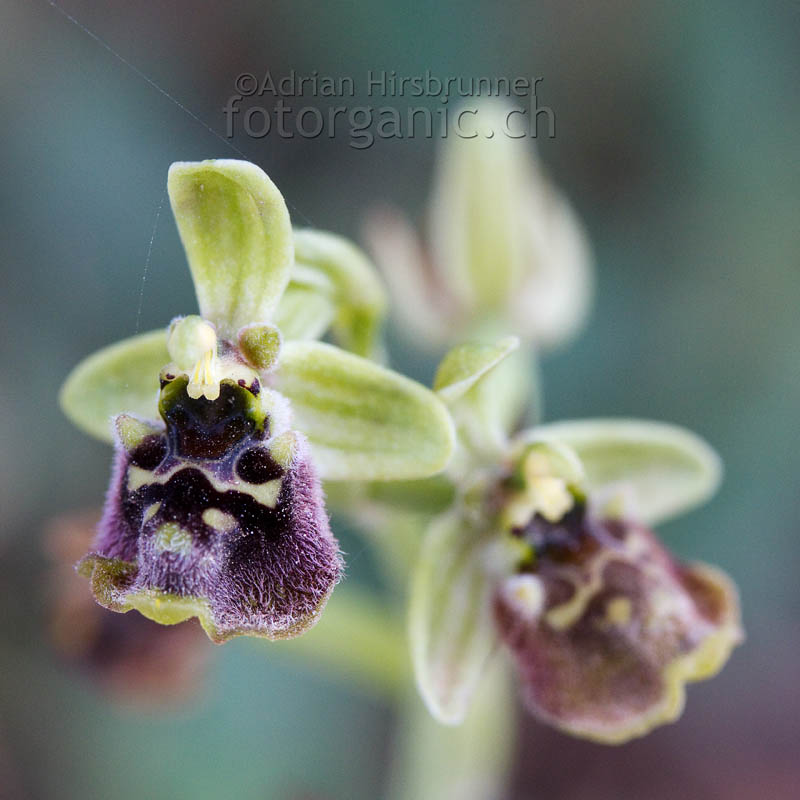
(224, 429)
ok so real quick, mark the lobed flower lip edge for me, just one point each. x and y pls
(171, 609)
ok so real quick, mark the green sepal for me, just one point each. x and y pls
(665, 469)
(336, 267)
(486, 386)
(464, 366)
(237, 234)
(122, 377)
(451, 630)
(364, 422)
(478, 220)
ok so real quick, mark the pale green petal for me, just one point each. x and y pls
(120, 378)
(364, 422)
(303, 313)
(666, 469)
(236, 231)
(451, 630)
(487, 388)
(464, 366)
(356, 292)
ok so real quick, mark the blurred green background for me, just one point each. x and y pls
(677, 140)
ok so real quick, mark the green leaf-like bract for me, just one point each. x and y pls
(486, 386)
(464, 366)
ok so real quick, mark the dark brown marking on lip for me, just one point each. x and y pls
(188, 493)
(207, 429)
(256, 465)
(150, 452)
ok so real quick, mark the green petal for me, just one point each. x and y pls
(355, 290)
(303, 313)
(364, 422)
(236, 231)
(451, 629)
(464, 365)
(120, 378)
(667, 469)
(487, 386)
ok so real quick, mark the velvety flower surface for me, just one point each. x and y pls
(606, 627)
(215, 511)
(215, 516)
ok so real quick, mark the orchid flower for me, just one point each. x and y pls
(547, 550)
(225, 424)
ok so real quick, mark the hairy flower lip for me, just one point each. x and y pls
(621, 629)
(225, 522)
(167, 609)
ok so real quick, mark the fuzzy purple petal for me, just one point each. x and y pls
(619, 628)
(213, 517)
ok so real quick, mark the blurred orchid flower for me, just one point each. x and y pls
(215, 511)
(548, 550)
(134, 660)
(503, 245)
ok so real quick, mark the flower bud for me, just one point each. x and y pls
(503, 244)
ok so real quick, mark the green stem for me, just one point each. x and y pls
(466, 762)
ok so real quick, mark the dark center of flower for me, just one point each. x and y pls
(568, 539)
(202, 428)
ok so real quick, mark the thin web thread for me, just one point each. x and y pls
(147, 260)
(163, 92)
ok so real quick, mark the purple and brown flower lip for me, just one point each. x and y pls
(605, 626)
(212, 514)
(550, 554)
